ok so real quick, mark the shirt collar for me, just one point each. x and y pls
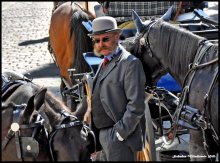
(111, 56)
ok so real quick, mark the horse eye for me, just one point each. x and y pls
(142, 41)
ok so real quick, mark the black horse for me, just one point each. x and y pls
(68, 138)
(29, 143)
(192, 61)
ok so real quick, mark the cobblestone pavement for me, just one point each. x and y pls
(25, 33)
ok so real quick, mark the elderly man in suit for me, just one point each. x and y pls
(118, 94)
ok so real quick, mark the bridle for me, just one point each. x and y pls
(144, 35)
(25, 146)
(33, 148)
(73, 121)
(144, 41)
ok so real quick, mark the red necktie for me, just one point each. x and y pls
(105, 62)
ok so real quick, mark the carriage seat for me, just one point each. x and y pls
(92, 60)
(169, 83)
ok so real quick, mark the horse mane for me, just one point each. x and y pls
(82, 41)
(55, 103)
(178, 42)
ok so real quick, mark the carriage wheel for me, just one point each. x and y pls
(149, 151)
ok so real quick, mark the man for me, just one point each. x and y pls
(118, 94)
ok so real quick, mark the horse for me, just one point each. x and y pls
(192, 61)
(68, 40)
(88, 6)
(30, 141)
(68, 137)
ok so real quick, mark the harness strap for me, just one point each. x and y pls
(6, 92)
(207, 95)
(16, 119)
(18, 144)
(70, 124)
(204, 46)
(209, 125)
(206, 121)
(7, 138)
(50, 146)
(148, 32)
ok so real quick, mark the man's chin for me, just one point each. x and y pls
(105, 52)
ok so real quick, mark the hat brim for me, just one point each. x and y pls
(105, 31)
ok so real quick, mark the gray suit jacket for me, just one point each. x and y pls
(122, 93)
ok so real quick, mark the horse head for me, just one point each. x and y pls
(69, 138)
(27, 139)
(140, 48)
(192, 61)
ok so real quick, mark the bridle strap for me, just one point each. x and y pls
(17, 114)
(204, 46)
(68, 125)
(147, 31)
(16, 119)
(206, 101)
(60, 126)
(7, 138)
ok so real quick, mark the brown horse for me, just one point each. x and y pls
(88, 6)
(68, 38)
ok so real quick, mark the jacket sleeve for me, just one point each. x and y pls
(134, 87)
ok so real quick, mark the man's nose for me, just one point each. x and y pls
(100, 43)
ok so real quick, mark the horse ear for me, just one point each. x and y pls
(28, 110)
(167, 16)
(39, 98)
(137, 21)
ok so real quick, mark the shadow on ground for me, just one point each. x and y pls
(28, 42)
(48, 70)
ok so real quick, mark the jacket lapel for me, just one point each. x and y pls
(111, 66)
(108, 69)
(96, 76)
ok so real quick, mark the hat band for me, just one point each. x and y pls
(104, 31)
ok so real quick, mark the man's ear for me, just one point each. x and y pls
(117, 36)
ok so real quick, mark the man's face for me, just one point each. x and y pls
(105, 44)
